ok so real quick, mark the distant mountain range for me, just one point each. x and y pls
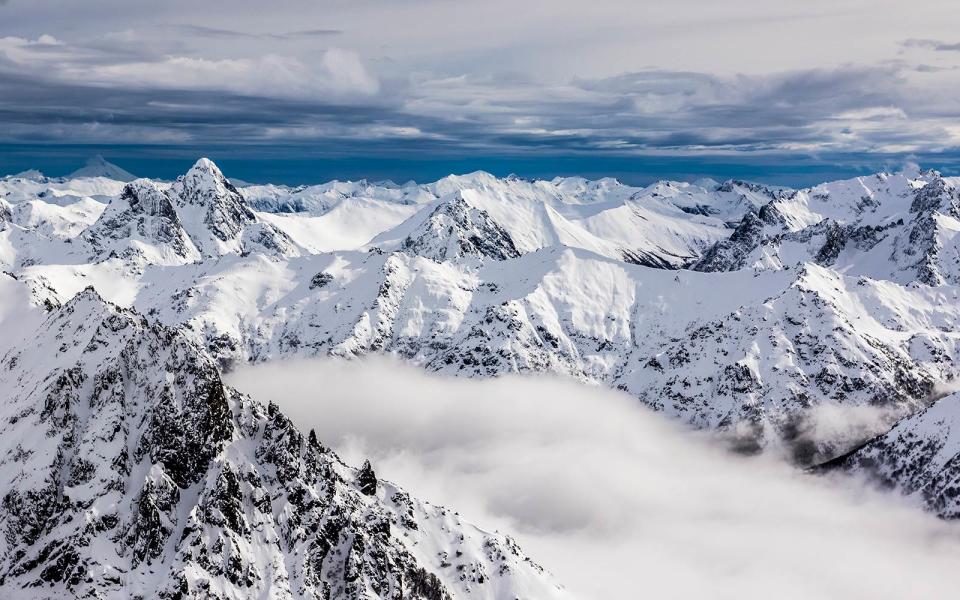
(821, 322)
(98, 166)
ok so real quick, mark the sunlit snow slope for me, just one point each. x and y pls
(807, 321)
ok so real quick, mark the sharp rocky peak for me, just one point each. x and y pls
(456, 229)
(144, 196)
(130, 470)
(141, 225)
(202, 215)
(205, 184)
(217, 217)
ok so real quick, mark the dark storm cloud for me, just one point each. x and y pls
(653, 110)
(661, 110)
(235, 80)
(34, 109)
(230, 33)
(937, 45)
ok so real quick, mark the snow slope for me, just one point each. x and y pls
(97, 166)
(920, 457)
(825, 317)
(900, 227)
(129, 469)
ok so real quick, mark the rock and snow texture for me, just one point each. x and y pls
(129, 470)
(217, 218)
(142, 223)
(919, 457)
(200, 216)
(900, 227)
(766, 312)
(455, 229)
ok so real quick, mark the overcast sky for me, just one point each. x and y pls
(549, 85)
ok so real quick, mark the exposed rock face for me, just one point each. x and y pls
(130, 470)
(218, 219)
(204, 185)
(320, 280)
(924, 249)
(904, 231)
(456, 229)
(732, 253)
(142, 222)
(367, 480)
(919, 457)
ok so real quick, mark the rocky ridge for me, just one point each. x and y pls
(130, 470)
(841, 298)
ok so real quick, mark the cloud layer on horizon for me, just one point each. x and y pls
(462, 79)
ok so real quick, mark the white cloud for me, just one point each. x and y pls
(615, 501)
(873, 113)
(333, 72)
(337, 72)
(572, 78)
(27, 52)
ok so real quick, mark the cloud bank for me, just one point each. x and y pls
(448, 79)
(613, 500)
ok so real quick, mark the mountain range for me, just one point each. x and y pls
(820, 322)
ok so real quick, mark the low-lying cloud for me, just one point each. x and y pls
(615, 501)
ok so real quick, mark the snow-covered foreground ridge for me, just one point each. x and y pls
(810, 320)
(129, 470)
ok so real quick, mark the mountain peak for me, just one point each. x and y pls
(32, 174)
(205, 183)
(217, 217)
(205, 165)
(87, 294)
(142, 223)
(98, 166)
(455, 229)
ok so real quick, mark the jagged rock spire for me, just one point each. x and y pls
(367, 479)
(204, 184)
(217, 217)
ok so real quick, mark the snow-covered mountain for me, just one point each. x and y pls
(607, 217)
(143, 221)
(899, 227)
(217, 218)
(767, 313)
(129, 469)
(919, 457)
(97, 166)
